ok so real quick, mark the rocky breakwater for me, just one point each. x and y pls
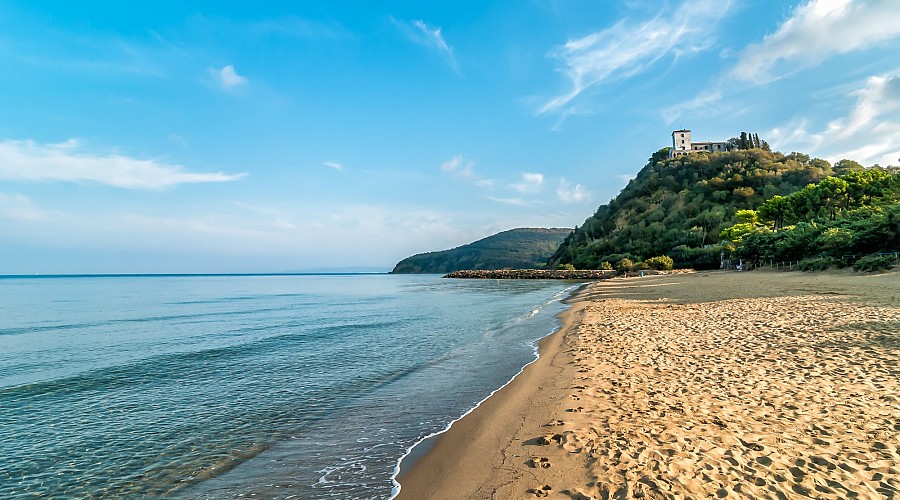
(532, 274)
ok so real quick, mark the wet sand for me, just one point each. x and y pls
(708, 385)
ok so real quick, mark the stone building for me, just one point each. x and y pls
(682, 145)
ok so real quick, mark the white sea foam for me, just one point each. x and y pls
(395, 490)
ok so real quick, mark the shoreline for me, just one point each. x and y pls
(710, 384)
(422, 479)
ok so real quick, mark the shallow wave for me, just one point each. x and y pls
(249, 398)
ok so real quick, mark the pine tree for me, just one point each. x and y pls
(756, 140)
(743, 143)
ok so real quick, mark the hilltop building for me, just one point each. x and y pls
(682, 145)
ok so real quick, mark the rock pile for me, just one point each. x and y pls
(532, 274)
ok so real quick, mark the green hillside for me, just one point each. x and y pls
(679, 207)
(525, 248)
(850, 219)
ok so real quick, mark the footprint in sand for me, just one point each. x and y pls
(539, 462)
(549, 439)
(543, 491)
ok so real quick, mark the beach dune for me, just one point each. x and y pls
(705, 385)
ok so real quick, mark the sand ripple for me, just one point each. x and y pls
(776, 397)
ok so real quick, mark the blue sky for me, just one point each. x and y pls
(285, 136)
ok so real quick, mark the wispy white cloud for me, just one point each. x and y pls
(456, 165)
(519, 202)
(530, 183)
(632, 47)
(335, 165)
(66, 162)
(880, 96)
(815, 31)
(247, 236)
(420, 32)
(19, 207)
(572, 194)
(63, 51)
(228, 77)
(869, 133)
(703, 100)
(459, 168)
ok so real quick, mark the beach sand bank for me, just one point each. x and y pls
(706, 385)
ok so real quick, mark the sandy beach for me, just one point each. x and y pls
(707, 385)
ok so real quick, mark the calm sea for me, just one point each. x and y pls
(242, 386)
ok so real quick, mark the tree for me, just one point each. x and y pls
(801, 158)
(836, 241)
(845, 166)
(832, 192)
(747, 216)
(863, 186)
(776, 210)
(820, 163)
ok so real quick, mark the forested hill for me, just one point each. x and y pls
(678, 207)
(524, 248)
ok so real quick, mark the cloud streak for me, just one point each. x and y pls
(29, 161)
(19, 207)
(631, 47)
(429, 36)
(464, 170)
(519, 202)
(870, 133)
(815, 31)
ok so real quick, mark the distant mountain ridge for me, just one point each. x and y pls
(522, 248)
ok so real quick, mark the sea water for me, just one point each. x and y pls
(282, 386)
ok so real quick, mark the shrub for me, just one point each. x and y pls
(836, 241)
(697, 258)
(617, 257)
(661, 263)
(815, 264)
(606, 266)
(625, 264)
(565, 267)
(871, 263)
